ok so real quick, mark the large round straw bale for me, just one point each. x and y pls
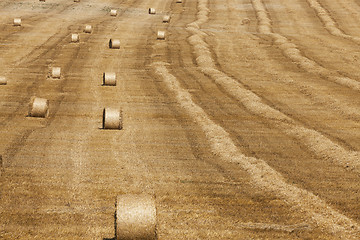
(109, 79)
(152, 11)
(17, 21)
(88, 29)
(75, 37)
(161, 35)
(56, 72)
(112, 119)
(3, 81)
(178, 1)
(114, 43)
(113, 12)
(166, 19)
(135, 217)
(41, 0)
(76, 0)
(245, 21)
(38, 107)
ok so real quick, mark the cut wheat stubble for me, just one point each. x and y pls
(314, 207)
(261, 174)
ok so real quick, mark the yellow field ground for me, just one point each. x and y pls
(244, 122)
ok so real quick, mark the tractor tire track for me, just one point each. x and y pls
(313, 140)
(261, 174)
(329, 23)
(223, 146)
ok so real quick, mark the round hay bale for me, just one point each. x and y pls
(56, 72)
(178, 1)
(135, 217)
(3, 81)
(111, 119)
(109, 79)
(113, 12)
(114, 43)
(152, 11)
(88, 29)
(38, 107)
(245, 21)
(75, 37)
(161, 35)
(76, 0)
(17, 21)
(41, 0)
(166, 19)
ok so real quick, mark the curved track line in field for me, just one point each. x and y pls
(33, 20)
(261, 174)
(315, 141)
(291, 51)
(328, 101)
(328, 22)
(352, 7)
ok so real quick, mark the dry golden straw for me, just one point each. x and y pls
(135, 217)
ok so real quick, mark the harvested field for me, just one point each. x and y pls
(240, 118)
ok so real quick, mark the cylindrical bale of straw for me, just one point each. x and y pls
(38, 107)
(88, 29)
(152, 11)
(112, 119)
(114, 43)
(109, 79)
(56, 72)
(135, 217)
(41, 0)
(178, 1)
(75, 37)
(166, 19)
(245, 21)
(76, 0)
(3, 81)
(17, 21)
(161, 35)
(113, 12)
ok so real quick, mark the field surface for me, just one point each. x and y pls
(244, 122)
